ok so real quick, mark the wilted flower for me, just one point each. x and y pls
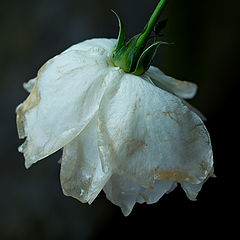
(132, 136)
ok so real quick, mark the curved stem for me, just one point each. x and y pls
(142, 40)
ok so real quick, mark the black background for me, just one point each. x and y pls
(205, 51)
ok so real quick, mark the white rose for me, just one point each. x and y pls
(119, 132)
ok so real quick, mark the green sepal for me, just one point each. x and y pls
(130, 56)
(121, 35)
(124, 58)
(146, 58)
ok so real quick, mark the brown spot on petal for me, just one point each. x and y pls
(31, 102)
(172, 115)
(134, 107)
(111, 150)
(173, 175)
(191, 140)
(145, 198)
(134, 145)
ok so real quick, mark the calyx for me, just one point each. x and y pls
(132, 56)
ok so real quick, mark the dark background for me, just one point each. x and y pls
(205, 51)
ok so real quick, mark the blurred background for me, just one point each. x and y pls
(205, 51)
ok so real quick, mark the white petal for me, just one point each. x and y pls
(64, 99)
(191, 190)
(28, 86)
(181, 89)
(104, 142)
(99, 44)
(151, 135)
(81, 171)
(124, 192)
(96, 44)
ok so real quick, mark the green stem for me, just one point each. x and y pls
(143, 38)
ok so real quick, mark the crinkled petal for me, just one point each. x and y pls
(63, 100)
(124, 192)
(81, 171)
(179, 88)
(152, 135)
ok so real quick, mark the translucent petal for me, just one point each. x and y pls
(179, 88)
(124, 192)
(63, 100)
(151, 135)
(81, 171)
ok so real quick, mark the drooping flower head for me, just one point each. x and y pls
(124, 125)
